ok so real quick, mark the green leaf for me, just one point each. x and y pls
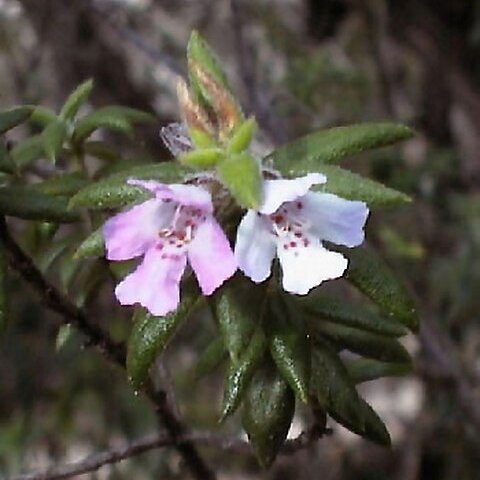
(267, 414)
(368, 272)
(69, 270)
(43, 115)
(7, 165)
(12, 118)
(242, 136)
(241, 175)
(3, 290)
(367, 344)
(289, 346)
(76, 99)
(351, 186)
(334, 389)
(98, 119)
(202, 158)
(334, 144)
(53, 137)
(201, 139)
(88, 283)
(210, 358)
(114, 192)
(30, 204)
(51, 252)
(63, 185)
(365, 369)
(236, 317)
(373, 427)
(28, 151)
(329, 308)
(101, 150)
(92, 246)
(199, 52)
(240, 373)
(131, 115)
(150, 335)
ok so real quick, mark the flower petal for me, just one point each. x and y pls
(255, 246)
(306, 267)
(276, 192)
(160, 190)
(189, 195)
(335, 219)
(211, 256)
(130, 234)
(193, 196)
(154, 284)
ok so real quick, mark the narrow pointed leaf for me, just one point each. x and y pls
(53, 137)
(334, 389)
(373, 428)
(240, 373)
(51, 252)
(131, 115)
(211, 357)
(226, 111)
(64, 185)
(92, 246)
(267, 414)
(236, 317)
(96, 120)
(150, 335)
(76, 99)
(28, 151)
(200, 53)
(114, 192)
(242, 136)
(7, 165)
(202, 158)
(101, 150)
(327, 307)
(241, 175)
(334, 144)
(369, 273)
(289, 346)
(69, 270)
(352, 186)
(12, 118)
(365, 369)
(88, 284)
(30, 204)
(42, 115)
(367, 344)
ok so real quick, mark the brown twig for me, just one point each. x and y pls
(159, 440)
(56, 301)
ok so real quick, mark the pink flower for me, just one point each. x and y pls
(175, 225)
(291, 224)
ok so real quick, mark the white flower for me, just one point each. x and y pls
(291, 224)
